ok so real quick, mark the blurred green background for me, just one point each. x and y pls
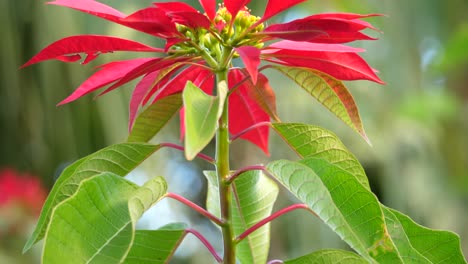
(417, 122)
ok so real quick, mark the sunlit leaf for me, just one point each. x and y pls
(97, 223)
(119, 159)
(438, 246)
(329, 256)
(89, 44)
(341, 201)
(253, 196)
(155, 246)
(313, 141)
(154, 118)
(202, 112)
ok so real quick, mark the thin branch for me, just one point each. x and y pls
(259, 124)
(206, 243)
(240, 171)
(195, 207)
(271, 218)
(275, 261)
(199, 155)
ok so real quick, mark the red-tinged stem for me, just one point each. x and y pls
(195, 207)
(199, 155)
(206, 243)
(259, 124)
(275, 261)
(240, 171)
(271, 218)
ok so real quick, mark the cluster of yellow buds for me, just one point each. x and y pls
(223, 33)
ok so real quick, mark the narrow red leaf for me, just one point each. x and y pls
(335, 61)
(306, 46)
(344, 15)
(138, 94)
(193, 73)
(91, 7)
(320, 28)
(210, 8)
(191, 19)
(89, 44)
(153, 65)
(245, 112)
(275, 7)
(151, 20)
(251, 58)
(107, 74)
(176, 7)
(234, 6)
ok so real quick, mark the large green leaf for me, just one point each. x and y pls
(342, 202)
(119, 159)
(399, 237)
(154, 118)
(328, 256)
(437, 246)
(155, 246)
(330, 92)
(97, 223)
(253, 196)
(202, 112)
(313, 141)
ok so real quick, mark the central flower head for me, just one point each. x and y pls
(223, 32)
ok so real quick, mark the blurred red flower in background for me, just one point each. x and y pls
(21, 199)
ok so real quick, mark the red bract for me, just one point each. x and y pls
(22, 190)
(195, 49)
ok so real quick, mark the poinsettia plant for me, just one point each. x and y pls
(91, 213)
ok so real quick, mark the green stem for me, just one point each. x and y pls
(222, 171)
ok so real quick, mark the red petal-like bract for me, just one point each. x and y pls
(138, 94)
(191, 19)
(341, 62)
(251, 58)
(323, 28)
(275, 7)
(244, 112)
(107, 74)
(210, 7)
(89, 44)
(152, 21)
(198, 76)
(234, 6)
(176, 7)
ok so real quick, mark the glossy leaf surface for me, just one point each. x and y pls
(118, 159)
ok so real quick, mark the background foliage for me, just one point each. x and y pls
(417, 123)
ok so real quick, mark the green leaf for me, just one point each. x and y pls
(119, 159)
(253, 197)
(330, 92)
(328, 256)
(97, 223)
(312, 141)
(406, 251)
(342, 202)
(202, 112)
(437, 246)
(155, 246)
(154, 118)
